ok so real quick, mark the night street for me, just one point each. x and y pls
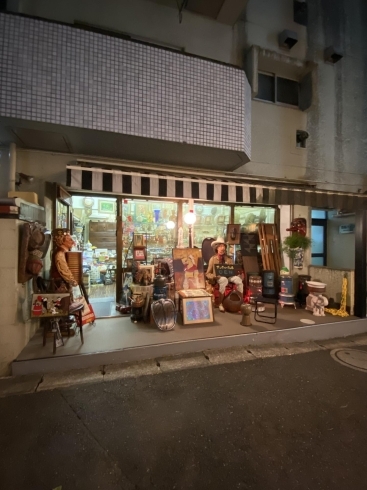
(289, 422)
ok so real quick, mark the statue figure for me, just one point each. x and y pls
(60, 272)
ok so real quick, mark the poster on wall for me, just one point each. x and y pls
(188, 268)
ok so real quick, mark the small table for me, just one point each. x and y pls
(268, 318)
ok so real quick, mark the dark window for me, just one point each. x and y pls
(266, 87)
(287, 91)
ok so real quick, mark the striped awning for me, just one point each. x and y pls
(149, 184)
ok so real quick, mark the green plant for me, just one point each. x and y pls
(294, 241)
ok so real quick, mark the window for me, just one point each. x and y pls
(278, 89)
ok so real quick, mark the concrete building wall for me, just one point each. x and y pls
(16, 328)
(337, 120)
(150, 21)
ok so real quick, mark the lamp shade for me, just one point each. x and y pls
(190, 218)
(170, 225)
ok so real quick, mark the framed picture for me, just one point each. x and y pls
(129, 264)
(208, 220)
(45, 305)
(139, 254)
(188, 268)
(197, 310)
(106, 206)
(148, 271)
(139, 240)
(233, 234)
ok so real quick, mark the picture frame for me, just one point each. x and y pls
(129, 264)
(188, 267)
(197, 310)
(46, 305)
(208, 220)
(139, 254)
(150, 269)
(139, 240)
(233, 234)
(108, 207)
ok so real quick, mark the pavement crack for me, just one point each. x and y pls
(39, 382)
(124, 479)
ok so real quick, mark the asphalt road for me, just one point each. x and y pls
(292, 422)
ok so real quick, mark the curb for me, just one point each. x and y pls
(21, 385)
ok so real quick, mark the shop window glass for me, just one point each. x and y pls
(149, 219)
(249, 217)
(211, 222)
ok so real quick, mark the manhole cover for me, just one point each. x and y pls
(307, 321)
(353, 358)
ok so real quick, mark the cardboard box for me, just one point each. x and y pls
(31, 197)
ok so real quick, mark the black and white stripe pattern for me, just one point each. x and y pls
(98, 180)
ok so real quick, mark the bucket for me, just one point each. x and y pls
(316, 287)
(286, 285)
(268, 283)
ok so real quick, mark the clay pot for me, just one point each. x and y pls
(233, 302)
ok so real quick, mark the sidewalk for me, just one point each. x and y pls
(17, 385)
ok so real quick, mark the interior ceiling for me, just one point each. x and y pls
(67, 139)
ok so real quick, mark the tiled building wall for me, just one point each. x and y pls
(59, 74)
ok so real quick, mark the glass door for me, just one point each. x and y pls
(94, 230)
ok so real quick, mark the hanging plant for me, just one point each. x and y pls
(294, 242)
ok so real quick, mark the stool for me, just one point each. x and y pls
(53, 325)
(76, 310)
(268, 318)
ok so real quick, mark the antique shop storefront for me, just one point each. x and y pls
(120, 218)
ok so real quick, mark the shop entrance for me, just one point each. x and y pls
(94, 227)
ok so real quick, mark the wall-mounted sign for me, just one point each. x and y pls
(347, 228)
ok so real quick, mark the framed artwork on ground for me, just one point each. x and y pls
(188, 268)
(197, 310)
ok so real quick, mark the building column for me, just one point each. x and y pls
(360, 274)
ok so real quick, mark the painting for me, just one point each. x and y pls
(50, 305)
(188, 268)
(139, 254)
(197, 310)
(106, 206)
(233, 234)
(139, 240)
(147, 273)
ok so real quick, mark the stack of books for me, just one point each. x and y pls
(8, 208)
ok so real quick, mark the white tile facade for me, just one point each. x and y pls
(62, 75)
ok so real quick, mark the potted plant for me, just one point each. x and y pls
(294, 242)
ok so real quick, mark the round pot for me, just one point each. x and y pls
(159, 281)
(316, 287)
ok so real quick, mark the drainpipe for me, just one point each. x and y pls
(12, 166)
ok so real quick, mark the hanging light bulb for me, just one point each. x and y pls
(190, 217)
(170, 225)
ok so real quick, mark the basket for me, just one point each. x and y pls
(137, 301)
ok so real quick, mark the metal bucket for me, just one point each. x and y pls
(286, 285)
